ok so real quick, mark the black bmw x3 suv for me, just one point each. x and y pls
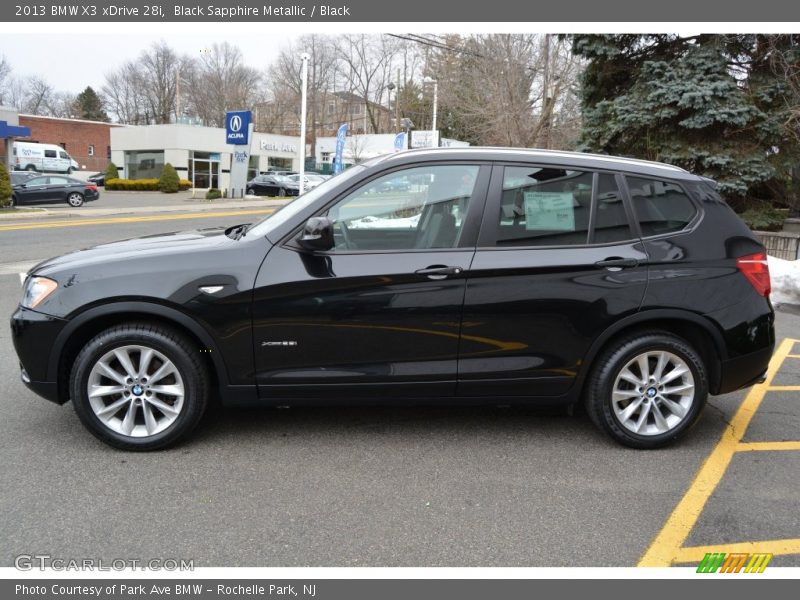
(473, 275)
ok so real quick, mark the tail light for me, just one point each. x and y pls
(91, 186)
(756, 269)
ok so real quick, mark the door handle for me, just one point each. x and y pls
(616, 263)
(439, 271)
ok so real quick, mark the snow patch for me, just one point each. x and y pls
(785, 277)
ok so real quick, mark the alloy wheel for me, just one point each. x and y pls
(136, 391)
(653, 393)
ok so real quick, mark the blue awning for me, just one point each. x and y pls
(7, 131)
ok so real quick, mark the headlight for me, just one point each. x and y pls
(37, 290)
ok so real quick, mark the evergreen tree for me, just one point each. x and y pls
(169, 183)
(112, 172)
(707, 103)
(5, 185)
(89, 106)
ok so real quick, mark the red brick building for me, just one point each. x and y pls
(88, 142)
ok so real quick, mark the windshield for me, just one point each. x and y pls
(284, 214)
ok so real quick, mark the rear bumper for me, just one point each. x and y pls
(743, 371)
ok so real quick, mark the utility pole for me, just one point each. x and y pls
(546, 92)
(177, 93)
(397, 102)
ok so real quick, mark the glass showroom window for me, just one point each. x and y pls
(144, 164)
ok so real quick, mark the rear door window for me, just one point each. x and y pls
(50, 154)
(544, 206)
(660, 206)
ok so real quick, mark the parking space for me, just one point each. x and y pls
(746, 495)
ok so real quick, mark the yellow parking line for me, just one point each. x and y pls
(140, 219)
(793, 356)
(666, 546)
(784, 388)
(776, 547)
(767, 446)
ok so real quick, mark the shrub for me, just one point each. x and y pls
(5, 186)
(112, 172)
(213, 194)
(169, 183)
(764, 218)
(141, 185)
(184, 184)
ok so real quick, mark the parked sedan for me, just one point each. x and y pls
(272, 185)
(99, 179)
(311, 180)
(53, 188)
(21, 176)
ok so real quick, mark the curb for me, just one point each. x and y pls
(84, 213)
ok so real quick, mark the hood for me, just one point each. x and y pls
(152, 246)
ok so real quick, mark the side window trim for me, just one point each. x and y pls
(593, 208)
(627, 201)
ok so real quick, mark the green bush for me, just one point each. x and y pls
(142, 185)
(5, 186)
(764, 218)
(169, 182)
(112, 172)
(213, 194)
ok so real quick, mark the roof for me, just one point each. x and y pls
(558, 157)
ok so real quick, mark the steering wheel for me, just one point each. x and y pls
(348, 241)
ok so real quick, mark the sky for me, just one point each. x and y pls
(70, 62)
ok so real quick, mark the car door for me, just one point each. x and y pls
(379, 314)
(557, 263)
(57, 189)
(32, 191)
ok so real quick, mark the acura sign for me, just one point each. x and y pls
(237, 127)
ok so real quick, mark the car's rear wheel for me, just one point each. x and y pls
(139, 386)
(30, 168)
(75, 199)
(647, 390)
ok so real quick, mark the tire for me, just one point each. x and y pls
(75, 199)
(250, 192)
(13, 202)
(281, 193)
(175, 403)
(30, 168)
(629, 411)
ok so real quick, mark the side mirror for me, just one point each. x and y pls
(317, 234)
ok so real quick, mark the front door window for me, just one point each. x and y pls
(418, 208)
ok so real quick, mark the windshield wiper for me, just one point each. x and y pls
(237, 232)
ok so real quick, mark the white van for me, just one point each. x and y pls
(29, 156)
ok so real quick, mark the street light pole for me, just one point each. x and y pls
(435, 105)
(304, 78)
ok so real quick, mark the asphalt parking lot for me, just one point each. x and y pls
(395, 486)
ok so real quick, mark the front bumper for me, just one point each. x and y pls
(34, 336)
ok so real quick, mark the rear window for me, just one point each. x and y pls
(660, 206)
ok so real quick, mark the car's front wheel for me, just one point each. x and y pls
(251, 191)
(75, 199)
(139, 386)
(647, 390)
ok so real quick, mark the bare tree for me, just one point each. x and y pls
(5, 80)
(507, 89)
(220, 81)
(124, 96)
(366, 65)
(284, 82)
(38, 96)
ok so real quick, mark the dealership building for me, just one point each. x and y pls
(199, 154)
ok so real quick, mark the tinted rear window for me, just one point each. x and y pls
(660, 206)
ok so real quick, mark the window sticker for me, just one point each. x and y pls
(549, 211)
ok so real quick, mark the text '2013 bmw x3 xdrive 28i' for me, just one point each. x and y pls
(463, 275)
